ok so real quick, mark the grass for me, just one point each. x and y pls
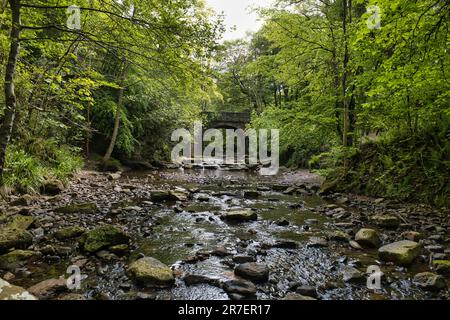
(26, 171)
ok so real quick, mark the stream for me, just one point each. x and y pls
(300, 236)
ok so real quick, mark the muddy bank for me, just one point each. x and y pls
(215, 234)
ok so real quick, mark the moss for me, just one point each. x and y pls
(401, 253)
(151, 272)
(69, 233)
(111, 165)
(120, 249)
(103, 237)
(442, 267)
(14, 238)
(441, 263)
(17, 258)
(83, 208)
(21, 222)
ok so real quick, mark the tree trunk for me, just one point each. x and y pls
(115, 133)
(345, 75)
(10, 95)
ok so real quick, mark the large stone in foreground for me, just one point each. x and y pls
(14, 238)
(240, 215)
(103, 237)
(368, 238)
(243, 287)
(253, 271)
(151, 273)
(401, 253)
(48, 288)
(10, 292)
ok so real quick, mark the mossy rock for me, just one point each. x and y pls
(20, 222)
(14, 238)
(442, 267)
(163, 196)
(18, 258)
(240, 215)
(402, 253)
(52, 187)
(429, 281)
(386, 221)
(111, 165)
(368, 238)
(25, 200)
(103, 237)
(11, 292)
(69, 233)
(82, 208)
(151, 273)
(120, 249)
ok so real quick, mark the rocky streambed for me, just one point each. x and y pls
(218, 234)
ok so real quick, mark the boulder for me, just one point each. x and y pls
(48, 288)
(352, 275)
(243, 287)
(368, 238)
(251, 194)
(298, 297)
(243, 259)
(442, 267)
(82, 208)
(52, 187)
(163, 196)
(193, 279)
(11, 292)
(386, 221)
(307, 291)
(20, 222)
(140, 165)
(151, 273)
(111, 165)
(25, 200)
(412, 236)
(339, 236)
(401, 253)
(179, 195)
(317, 242)
(221, 251)
(17, 258)
(120, 249)
(69, 233)
(256, 272)
(103, 237)
(240, 215)
(114, 176)
(14, 238)
(429, 281)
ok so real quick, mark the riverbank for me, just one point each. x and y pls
(220, 234)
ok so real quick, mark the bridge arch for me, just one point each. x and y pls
(227, 120)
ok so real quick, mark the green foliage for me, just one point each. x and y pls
(23, 171)
(27, 169)
(303, 71)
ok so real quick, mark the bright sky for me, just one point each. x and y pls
(238, 14)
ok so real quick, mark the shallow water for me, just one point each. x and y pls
(175, 235)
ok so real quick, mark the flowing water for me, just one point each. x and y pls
(280, 238)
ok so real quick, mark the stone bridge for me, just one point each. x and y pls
(227, 120)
